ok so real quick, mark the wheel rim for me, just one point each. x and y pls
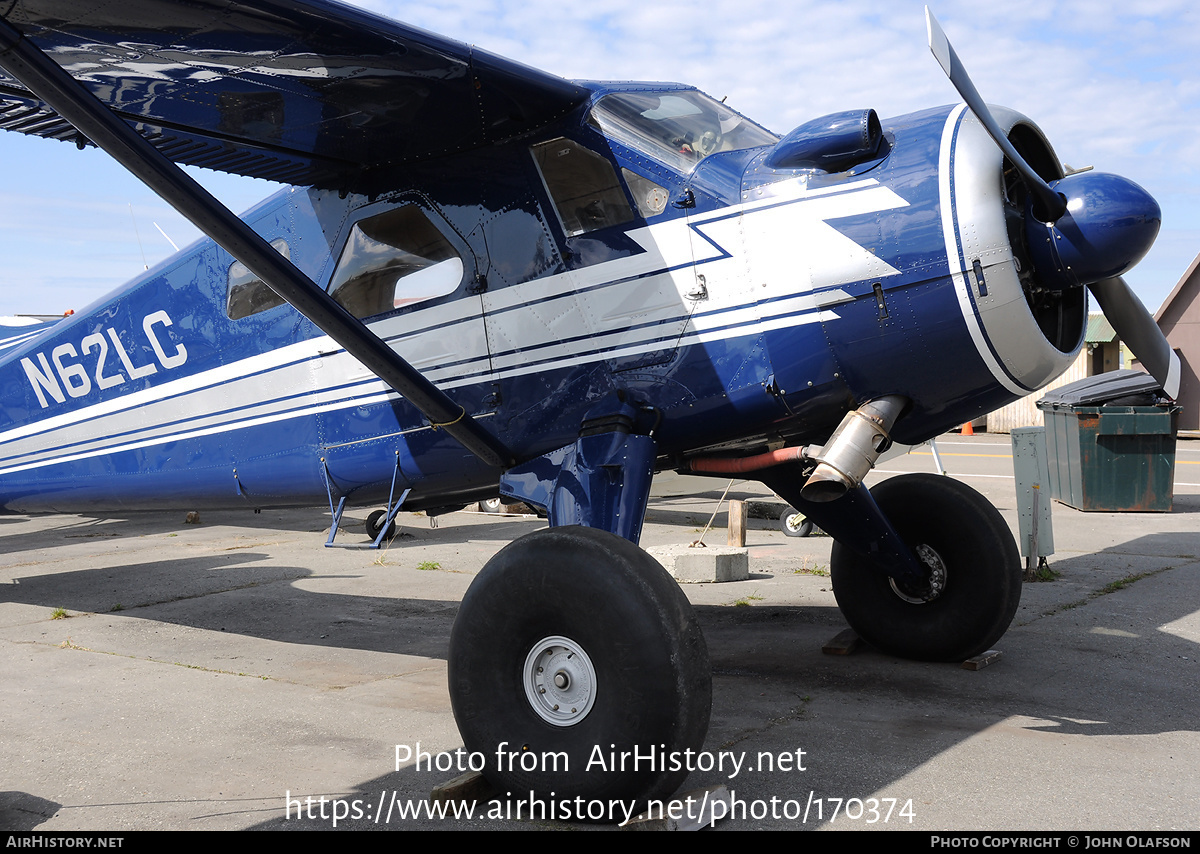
(795, 522)
(560, 681)
(935, 585)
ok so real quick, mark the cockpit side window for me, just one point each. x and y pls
(679, 128)
(650, 198)
(392, 260)
(247, 294)
(583, 185)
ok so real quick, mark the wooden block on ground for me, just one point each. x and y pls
(465, 788)
(843, 643)
(982, 660)
(737, 524)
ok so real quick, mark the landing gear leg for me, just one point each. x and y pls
(573, 646)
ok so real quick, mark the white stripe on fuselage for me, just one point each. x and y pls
(803, 245)
(621, 308)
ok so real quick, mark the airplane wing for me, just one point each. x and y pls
(297, 91)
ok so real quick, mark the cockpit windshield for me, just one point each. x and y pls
(679, 127)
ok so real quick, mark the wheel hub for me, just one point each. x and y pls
(934, 585)
(560, 681)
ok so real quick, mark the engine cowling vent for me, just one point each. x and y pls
(832, 143)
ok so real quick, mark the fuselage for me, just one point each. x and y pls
(738, 305)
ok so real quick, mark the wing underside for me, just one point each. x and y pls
(296, 91)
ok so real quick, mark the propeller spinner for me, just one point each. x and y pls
(1085, 229)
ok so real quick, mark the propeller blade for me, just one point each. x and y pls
(1136, 327)
(1049, 205)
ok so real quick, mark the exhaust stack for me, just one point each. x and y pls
(853, 448)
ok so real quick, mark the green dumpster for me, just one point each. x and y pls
(1110, 457)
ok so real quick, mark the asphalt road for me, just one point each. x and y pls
(221, 675)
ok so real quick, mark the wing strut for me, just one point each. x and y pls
(62, 93)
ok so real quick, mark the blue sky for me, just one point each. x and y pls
(1111, 84)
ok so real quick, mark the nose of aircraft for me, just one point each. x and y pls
(1085, 229)
(1109, 224)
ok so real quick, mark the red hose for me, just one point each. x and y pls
(740, 465)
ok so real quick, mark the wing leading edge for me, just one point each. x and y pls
(297, 91)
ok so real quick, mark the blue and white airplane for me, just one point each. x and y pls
(485, 278)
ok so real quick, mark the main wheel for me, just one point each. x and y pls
(573, 648)
(793, 523)
(974, 573)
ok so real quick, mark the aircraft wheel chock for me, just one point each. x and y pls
(375, 522)
(794, 523)
(974, 583)
(573, 644)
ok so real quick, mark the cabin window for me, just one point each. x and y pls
(583, 185)
(392, 260)
(650, 198)
(247, 294)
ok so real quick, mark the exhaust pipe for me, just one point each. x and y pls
(853, 448)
